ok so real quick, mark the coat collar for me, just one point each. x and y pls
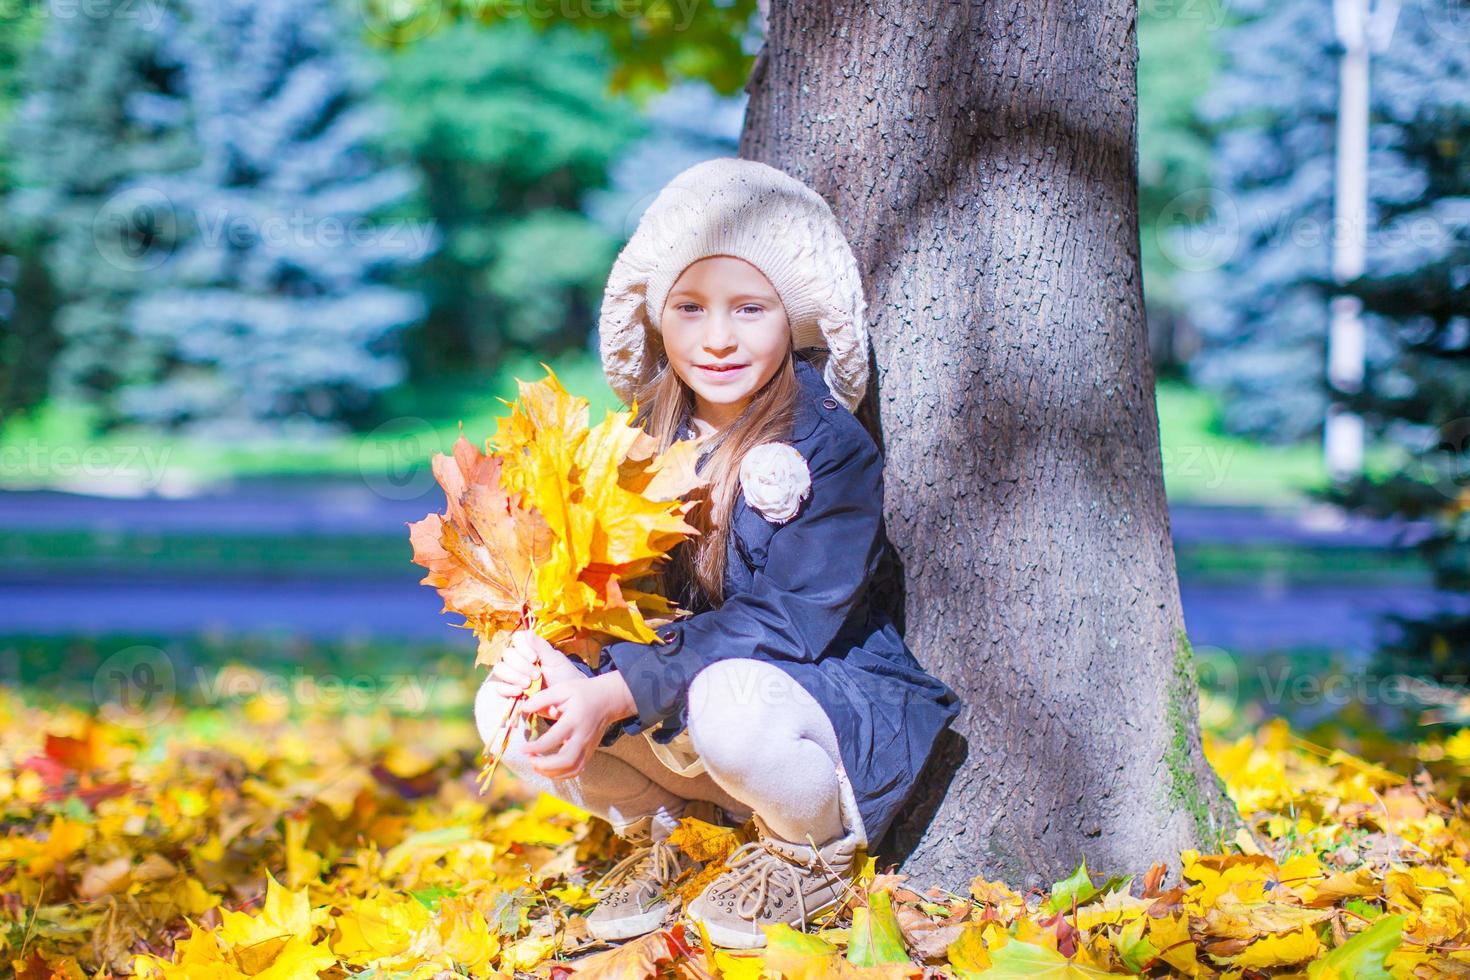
(808, 406)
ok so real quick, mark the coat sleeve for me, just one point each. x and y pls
(817, 571)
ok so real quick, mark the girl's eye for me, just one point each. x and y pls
(751, 306)
(686, 307)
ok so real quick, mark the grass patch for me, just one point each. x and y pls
(377, 556)
(56, 447)
(1203, 463)
(218, 556)
(1249, 563)
(211, 671)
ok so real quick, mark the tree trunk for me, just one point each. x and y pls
(982, 158)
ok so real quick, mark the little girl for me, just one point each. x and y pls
(735, 314)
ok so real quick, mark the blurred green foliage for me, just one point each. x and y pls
(1177, 62)
(510, 128)
(654, 43)
(28, 341)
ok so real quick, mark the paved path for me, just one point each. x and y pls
(356, 507)
(1260, 616)
(1236, 618)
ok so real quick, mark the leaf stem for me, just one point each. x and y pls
(503, 730)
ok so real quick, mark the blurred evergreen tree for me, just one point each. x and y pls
(100, 108)
(1421, 399)
(204, 178)
(27, 340)
(512, 128)
(275, 310)
(1258, 271)
(1264, 281)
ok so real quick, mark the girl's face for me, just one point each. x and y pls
(725, 333)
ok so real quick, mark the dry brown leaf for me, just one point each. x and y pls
(928, 938)
(636, 959)
(1234, 919)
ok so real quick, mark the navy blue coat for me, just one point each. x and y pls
(796, 595)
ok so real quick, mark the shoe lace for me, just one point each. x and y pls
(759, 873)
(658, 857)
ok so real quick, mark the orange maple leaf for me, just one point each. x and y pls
(481, 554)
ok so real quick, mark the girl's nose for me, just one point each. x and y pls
(718, 334)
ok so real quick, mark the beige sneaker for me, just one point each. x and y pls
(636, 895)
(770, 880)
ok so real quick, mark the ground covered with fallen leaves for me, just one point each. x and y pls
(258, 837)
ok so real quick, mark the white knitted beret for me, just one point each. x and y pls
(752, 211)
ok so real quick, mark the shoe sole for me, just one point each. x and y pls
(628, 926)
(727, 938)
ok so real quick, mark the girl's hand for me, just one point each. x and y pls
(584, 708)
(516, 668)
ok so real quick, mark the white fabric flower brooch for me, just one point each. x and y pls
(775, 480)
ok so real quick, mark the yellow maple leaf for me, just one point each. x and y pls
(377, 928)
(968, 955)
(63, 839)
(524, 954)
(560, 529)
(199, 956)
(543, 412)
(285, 913)
(704, 841)
(1246, 874)
(1170, 936)
(298, 959)
(1281, 949)
(465, 937)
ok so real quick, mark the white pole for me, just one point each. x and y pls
(1361, 32)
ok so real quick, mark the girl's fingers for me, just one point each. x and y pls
(507, 691)
(540, 647)
(518, 665)
(515, 650)
(510, 675)
(546, 710)
(542, 700)
(561, 765)
(529, 645)
(553, 741)
(517, 660)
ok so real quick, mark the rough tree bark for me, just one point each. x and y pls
(982, 157)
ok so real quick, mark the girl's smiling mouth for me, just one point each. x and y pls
(722, 370)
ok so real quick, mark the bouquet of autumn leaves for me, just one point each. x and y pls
(558, 528)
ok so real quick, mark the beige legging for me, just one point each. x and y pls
(766, 744)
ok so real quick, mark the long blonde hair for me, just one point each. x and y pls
(695, 574)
